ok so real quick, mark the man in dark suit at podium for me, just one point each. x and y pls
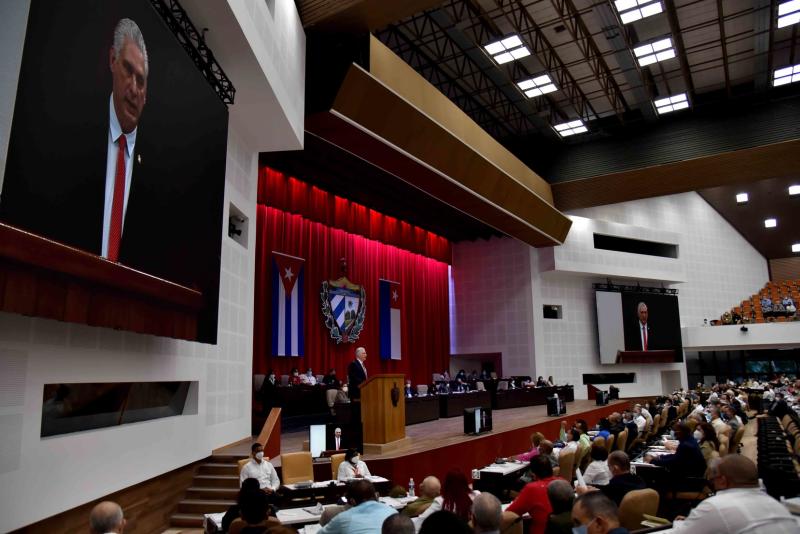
(337, 441)
(357, 373)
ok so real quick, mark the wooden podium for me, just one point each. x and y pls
(383, 414)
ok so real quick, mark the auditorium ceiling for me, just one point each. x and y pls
(671, 95)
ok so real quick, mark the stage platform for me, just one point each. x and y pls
(435, 447)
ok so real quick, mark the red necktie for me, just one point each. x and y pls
(644, 331)
(117, 207)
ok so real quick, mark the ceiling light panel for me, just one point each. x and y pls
(540, 85)
(770, 223)
(741, 198)
(571, 128)
(786, 75)
(655, 51)
(796, 247)
(633, 10)
(671, 103)
(507, 49)
(788, 13)
(794, 189)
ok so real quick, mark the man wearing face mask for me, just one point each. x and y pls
(739, 505)
(261, 470)
(594, 513)
(352, 467)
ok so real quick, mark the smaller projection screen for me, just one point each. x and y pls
(647, 323)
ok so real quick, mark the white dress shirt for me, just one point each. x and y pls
(739, 511)
(348, 471)
(310, 380)
(642, 329)
(597, 473)
(114, 131)
(641, 422)
(262, 471)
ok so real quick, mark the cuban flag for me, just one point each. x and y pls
(390, 308)
(287, 305)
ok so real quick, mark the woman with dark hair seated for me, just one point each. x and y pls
(706, 436)
(456, 497)
(251, 505)
(597, 472)
(444, 521)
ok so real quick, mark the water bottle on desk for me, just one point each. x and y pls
(411, 488)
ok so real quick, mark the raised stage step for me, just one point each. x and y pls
(217, 481)
(186, 520)
(211, 493)
(204, 506)
(230, 469)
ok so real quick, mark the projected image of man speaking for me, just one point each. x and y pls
(129, 68)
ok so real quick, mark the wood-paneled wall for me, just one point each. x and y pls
(147, 506)
(784, 269)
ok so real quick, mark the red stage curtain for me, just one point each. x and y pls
(295, 196)
(423, 282)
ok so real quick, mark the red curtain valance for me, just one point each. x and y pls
(295, 196)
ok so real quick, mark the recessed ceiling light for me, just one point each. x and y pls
(788, 13)
(786, 75)
(794, 189)
(571, 128)
(633, 10)
(659, 50)
(540, 85)
(671, 103)
(507, 49)
(741, 198)
(796, 247)
(770, 223)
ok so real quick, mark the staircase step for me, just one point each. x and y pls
(216, 481)
(204, 506)
(186, 520)
(211, 493)
(227, 458)
(218, 469)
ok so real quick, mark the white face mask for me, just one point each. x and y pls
(698, 435)
(260, 455)
(355, 459)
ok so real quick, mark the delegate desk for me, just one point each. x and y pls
(327, 491)
(498, 478)
(530, 396)
(454, 404)
(421, 409)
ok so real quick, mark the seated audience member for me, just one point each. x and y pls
(446, 376)
(550, 381)
(261, 470)
(646, 413)
(738, 505)
(486, 514)
(429, 489)
(106, 517)
(694, 419)
(546, 451)
(571, 445)
(561, 497)
(766, 305)
(456, 498)
(622, 480)
(633, 428)
(294, 377)
(536, 440)
(352, 467)
(541, 382)
(672, 411)
(597, 513)
(397, 524)
(533, 498)
(788, 304)
(330, 379)
(253, 507)
(719, 425)
(597, 473)
(308, 378)
(461, 375)
(605, 428)
(444, 521)
(706, 436)
(639, 420)
(687, 461)
(366, 515)
(408, 391)
(616, 424)
(250, 485)
(580, 425)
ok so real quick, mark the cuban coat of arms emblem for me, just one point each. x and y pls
(343, 307)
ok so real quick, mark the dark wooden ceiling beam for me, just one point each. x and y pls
(723, 40)
(680, 49)
(735, 167)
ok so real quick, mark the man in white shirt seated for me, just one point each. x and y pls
(261, 470)
(308, 378)
(646, 414)
(352, 467)
(107, 518)
(739, 505)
